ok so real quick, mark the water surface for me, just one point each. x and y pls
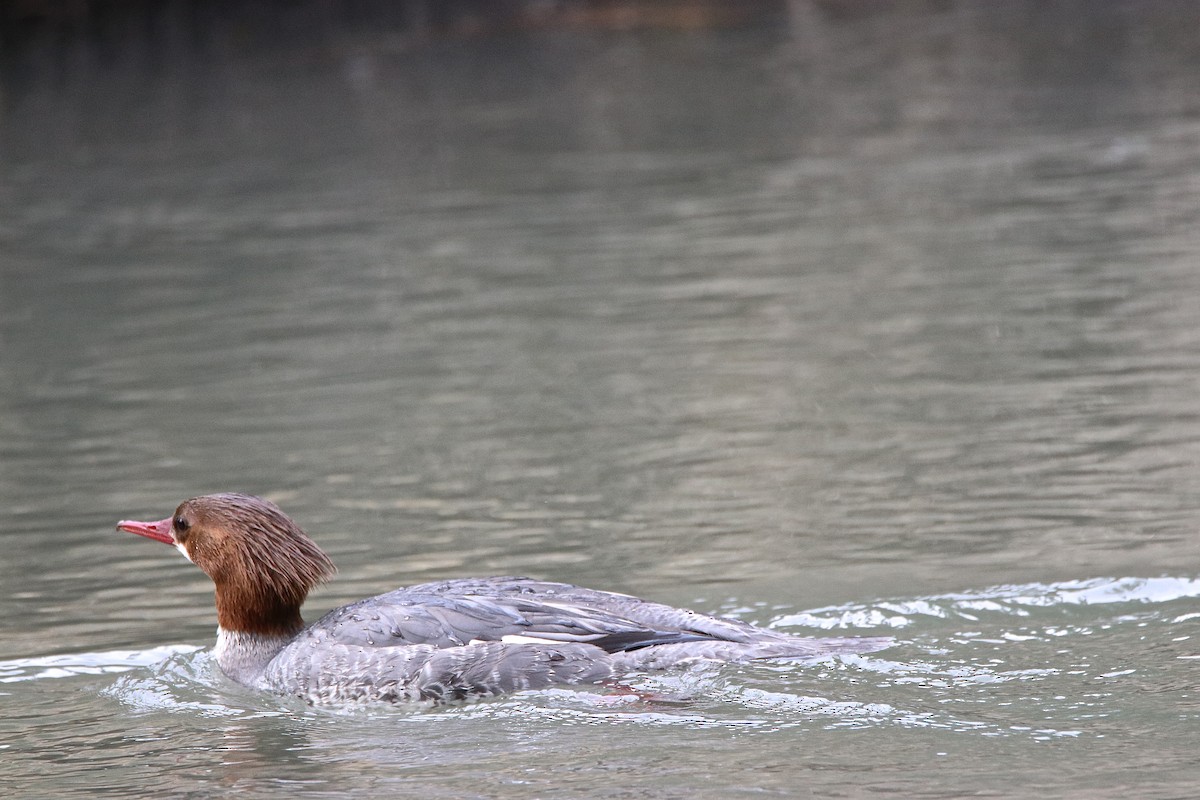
(881, 323)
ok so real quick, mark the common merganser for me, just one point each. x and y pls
(443, 641)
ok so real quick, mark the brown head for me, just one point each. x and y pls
(263, 565)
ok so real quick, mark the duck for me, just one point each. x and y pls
(451, 640)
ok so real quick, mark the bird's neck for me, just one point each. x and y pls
(258, 609)
(244, 656)
(255, 622)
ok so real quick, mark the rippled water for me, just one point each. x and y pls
(982, 683)
(882, 322)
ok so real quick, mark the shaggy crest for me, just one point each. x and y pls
(262, 563)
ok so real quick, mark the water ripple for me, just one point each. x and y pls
(1021, 600)
(74, 664)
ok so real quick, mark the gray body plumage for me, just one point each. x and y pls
(460, 639)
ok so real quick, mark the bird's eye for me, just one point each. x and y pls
(181, 525)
